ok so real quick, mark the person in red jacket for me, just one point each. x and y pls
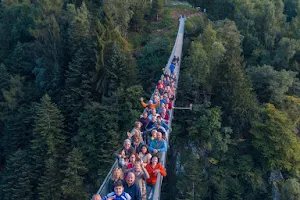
(153, 168)
(161, 87)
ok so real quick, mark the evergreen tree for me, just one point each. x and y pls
(15, 93)
(47, 147)
(78, 91)
(260, 23)
(16, 23)
(153, 56)
(15, 183)
(222, 191)
(157, 7)
(141, 8)
(128, 106)
(50, 183)
(98, 138)
(17, 131)
(4, 79)
(121, 13)
(78, 27)
(22, 61)
(48, 71)
(118, 71)
(73, 185)
(96, 8)
(234, 93)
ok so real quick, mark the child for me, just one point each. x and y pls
(118, 193)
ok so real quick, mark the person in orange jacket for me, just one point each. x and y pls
(150, 105)
(153, 168)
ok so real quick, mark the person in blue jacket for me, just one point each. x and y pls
(118, 193)
(172, 68)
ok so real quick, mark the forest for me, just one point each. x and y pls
(72, 73)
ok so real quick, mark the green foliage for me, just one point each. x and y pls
(118, 71)
(275, 139)
(207, 126)
(151, 61)
(271, 85)
(156, 10)
(122, 12)
(16, 22)
(285, 54)
(291, 9)
(260, 23)
(48, 71)
(129, 106)
(15, 93)
(141, 8)
(15, 182)
(98, 138)
(194, 26)
(72, 185)
(291, 189)
(4, 79)
(48, 148)
(17, 131)
(78, 27)
(49, 183)
(234, 93)
(78, 90)
(21, 60)
(205, 54)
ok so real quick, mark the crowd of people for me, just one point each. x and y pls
(139, 157)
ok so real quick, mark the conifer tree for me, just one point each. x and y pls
(78, 92)
(141, 8)
(17, 131)
(78, 27)
(234, 91)
(15, 92)
(118, 71)
(157, 6)
(49, 187)
(98, 138)
(221, 193)
(21, 60)
(16, 178)
(48, 146)
(4, 80)
(73, 185)
(48, 70)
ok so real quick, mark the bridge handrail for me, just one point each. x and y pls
(103, 190)
(176, 51)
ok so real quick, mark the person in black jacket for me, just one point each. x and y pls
(145, 121)
(132, 188)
